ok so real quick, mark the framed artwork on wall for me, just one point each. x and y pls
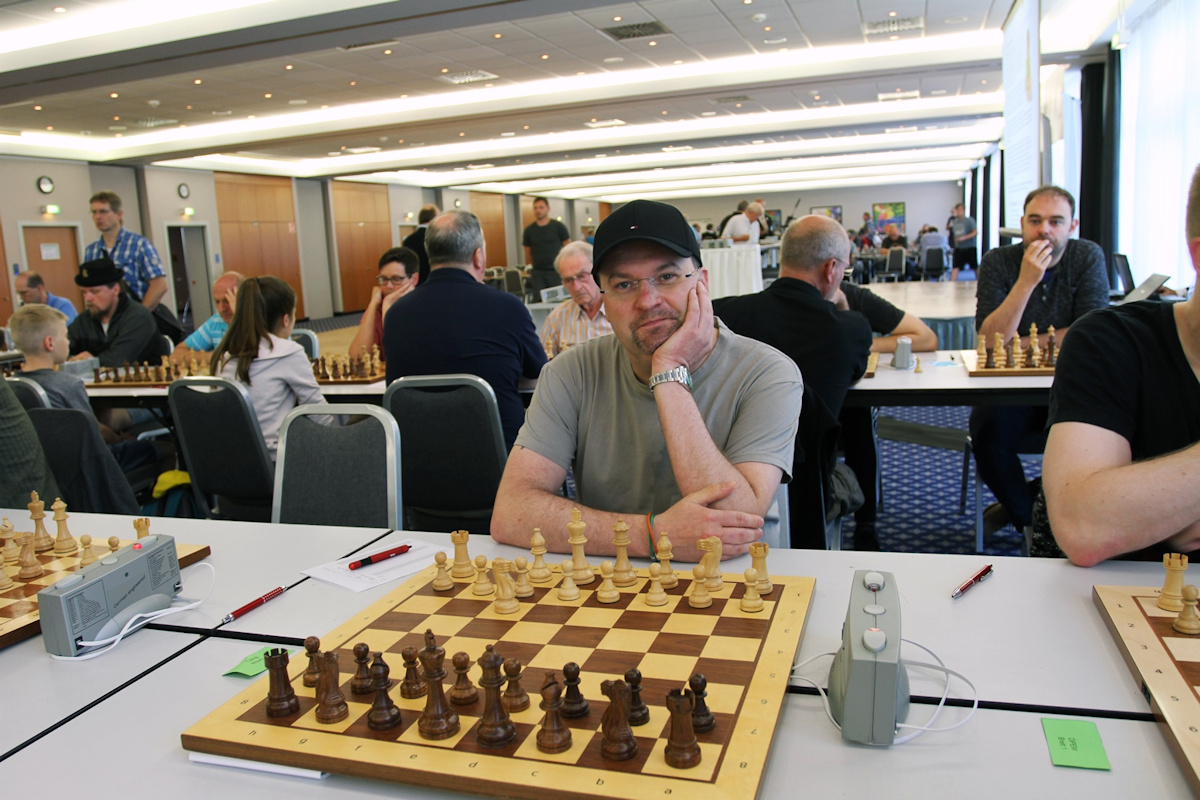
(833, 212)
(888, 214)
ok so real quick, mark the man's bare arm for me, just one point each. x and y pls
(528, 499)
(156, 290)
(1102, 505)
(923, 338)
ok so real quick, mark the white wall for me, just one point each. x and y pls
(404, 203)
(165, 207)
(926, 203)
(316, 263)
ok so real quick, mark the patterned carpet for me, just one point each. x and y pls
(919, 512)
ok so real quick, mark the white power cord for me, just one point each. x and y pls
(136, 622)
(917, 729)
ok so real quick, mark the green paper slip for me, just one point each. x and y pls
(253, 664)
(1075, 743)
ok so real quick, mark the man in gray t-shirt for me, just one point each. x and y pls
(966, 241)
(673, 424)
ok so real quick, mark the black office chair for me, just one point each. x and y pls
(453, 452)
(29, 392)
(223, 448)
(308, 340)
(935, 264)
(87, 473)
(334, 475)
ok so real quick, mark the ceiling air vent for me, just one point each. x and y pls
(349, 48)
(470, 76)
(153, 122)
(605, 123)
(911, 94)
(898, 25)
(733, 99)
(637, 30)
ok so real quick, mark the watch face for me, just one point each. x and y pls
(45, 185)
(183, 190)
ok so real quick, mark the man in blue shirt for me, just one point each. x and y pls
(210, 333)
(32, 289)
(456, 323)
(134, 254)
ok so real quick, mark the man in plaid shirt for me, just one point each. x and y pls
(134, 254)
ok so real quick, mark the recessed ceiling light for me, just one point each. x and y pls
(581, 73)
(486, 86)
(545, 56)
(37, 108)
(497, 35)
(984, 83)
(616, 19)
(113, 95)
(747, 2)
(509, 133)
(708, 113)
(49, 127)
(767, 28)
(678, 61)
(737, 105)
(664, 112)
(653, 44)
(59, 10)
(297, 102)
(893, 37)
(462, 133)
(816, 97)
(267, 95)
(250, 116)
(116, 117)
(891, 13)
(325, 106)
(613, 60)
(197, 81)
(354, 83)
(289, 66)
(387, 52)
(525, 127)
(445, 70)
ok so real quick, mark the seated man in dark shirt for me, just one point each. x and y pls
(893, 238)
(114, 327)
(1123, 453)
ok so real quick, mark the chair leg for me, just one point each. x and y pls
(962, 494)
(833, 534)
(978, 513)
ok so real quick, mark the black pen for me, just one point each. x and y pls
(978, 577)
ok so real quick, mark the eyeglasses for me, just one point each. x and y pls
(573, 279)
(663, 280)
(383, 280)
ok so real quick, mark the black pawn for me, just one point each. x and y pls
(413, 686)
(384, 715)
(463, 692)
(703, 720)
(361, 682)
(639, 712)
(312, 649)
(574, 704)
(514, 698)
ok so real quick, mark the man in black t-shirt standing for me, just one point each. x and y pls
(543, 238)
(1123, 451)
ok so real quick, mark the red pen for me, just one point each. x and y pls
(253, 604)
(978, 577)
(384, 556)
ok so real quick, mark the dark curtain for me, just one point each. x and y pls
(1098, 181)
(985, 218)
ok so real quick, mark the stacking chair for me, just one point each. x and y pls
(935, 264)
(223, 448)
(808, 494)
(308, 340)
(514, 283)
(347, 476)
(87, 473)
(893, 268)
(453, 452)
(29, 392)
(1032, 445)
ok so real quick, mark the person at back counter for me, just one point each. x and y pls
(1123, 453)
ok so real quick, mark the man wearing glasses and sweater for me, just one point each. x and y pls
(398, 275)
(674, 424)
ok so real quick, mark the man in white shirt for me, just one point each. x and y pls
(582, 317)
(743, 228)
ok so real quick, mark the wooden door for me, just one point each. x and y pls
(52, 252)
(362, 222)
(489, 207)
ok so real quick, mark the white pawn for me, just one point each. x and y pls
(114, 544)
(668, 579)
(11, 551)
(699, 598)
(750, 600)
(539, 572)
(442, 582)
(524, 587)
(89, 555)
(6, 581)
(656, 596)
(1188, 620)
(607, 593)
(482, 586)
(567, 590)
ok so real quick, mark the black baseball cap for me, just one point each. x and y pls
(648, 220)
(99, 272)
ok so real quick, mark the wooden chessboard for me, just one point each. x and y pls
(746, 657)
(374, 377)
(872, 365)
(1165, 663)
(19, 606)
(970, 358)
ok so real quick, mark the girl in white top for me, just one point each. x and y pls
(258, 352)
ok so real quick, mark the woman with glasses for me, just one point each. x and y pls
(398, 275)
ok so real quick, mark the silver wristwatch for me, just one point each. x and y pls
(679, 374)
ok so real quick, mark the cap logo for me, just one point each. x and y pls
(85, 273)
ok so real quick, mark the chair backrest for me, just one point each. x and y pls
(895, 259)
(223, 447)
(87, 473)
(513, 281)
(935, 260)
(165, 345)
(453, 454)
(347, 476)
(308, 340)
(29, 392)
(815, 455)
(1121, 262)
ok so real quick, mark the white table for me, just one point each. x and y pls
(944, 381)
(1028, 636)
(946, 307)
(733, 270)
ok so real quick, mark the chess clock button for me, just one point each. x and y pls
(109, 561)
(874, 609)
(874, 639)
(873, 581)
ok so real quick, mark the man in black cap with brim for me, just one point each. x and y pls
(113, 328)
(672, 424)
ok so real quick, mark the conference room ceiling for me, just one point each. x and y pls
(550, 96)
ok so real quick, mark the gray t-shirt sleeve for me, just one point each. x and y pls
(768, 417)
(552, 419)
